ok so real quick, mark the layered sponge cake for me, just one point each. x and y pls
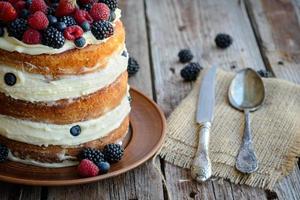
(63, 87)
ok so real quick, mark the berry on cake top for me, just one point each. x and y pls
(53, 22)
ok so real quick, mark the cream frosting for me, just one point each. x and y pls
(44, 134)
(36, 87)
(12, 44)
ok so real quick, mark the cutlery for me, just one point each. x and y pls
(201, 166)
(246, 93)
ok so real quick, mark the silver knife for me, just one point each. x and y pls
(201, 166)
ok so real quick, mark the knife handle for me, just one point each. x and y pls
(201, 166)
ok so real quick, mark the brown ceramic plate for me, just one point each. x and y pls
(145, 138)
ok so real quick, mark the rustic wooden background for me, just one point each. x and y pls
(266, 36)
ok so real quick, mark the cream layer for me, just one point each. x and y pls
(44, 134)
(35, 87)
(12, 44)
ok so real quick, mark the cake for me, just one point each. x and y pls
(63, 82)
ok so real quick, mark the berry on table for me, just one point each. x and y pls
(86, 26)
(75, 130)
(53, 38)
(38, 21)
(191, 71)
(61, 26)
(112, 4)
(82, 16)
(100, 11)
(17, 28)
(7, 12)
(102, 29)
(80, 42)
(223, 40)
(73, 32)
(3, 153)
(38, 5)
(133, 66)
(94, 155)
(185, 55)
(65, 7)
(113, 153)
(10, 79)
(87, 168)
(32, 36)
(103, 167)
(68, 20)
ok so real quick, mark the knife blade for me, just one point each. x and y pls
(201, 166)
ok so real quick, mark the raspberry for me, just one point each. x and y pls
(73, 32)
(7, 12)
(82, 16)
(13, 1)
(19, 6)
(100, 11)
(65, 7)
(38, 5)
(38, 21)
(32, 36)
(87, 168)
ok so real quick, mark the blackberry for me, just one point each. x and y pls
(102, 29)
(53, 38)
(112, 4)
(264, 73)
(3, 153)
(113, 153)
(132, 67)
(94, 155)
(191, 71)
(86, 7)
(223, 40)
(17, 28)
(51, 11)
(68, 20)
(185, 55)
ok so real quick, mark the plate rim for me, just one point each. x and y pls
(80, 181)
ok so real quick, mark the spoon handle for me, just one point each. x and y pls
(246, 161)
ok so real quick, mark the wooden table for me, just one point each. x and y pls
(266, 36)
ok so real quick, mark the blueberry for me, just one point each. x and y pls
(25, 13)
(60, 26)
(10, 79)
(80, 42)
(1, 31)
(52, 19)
(75, 130)
(86, 26)
(103, 167)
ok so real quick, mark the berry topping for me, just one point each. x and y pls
(73, 32)
(10, 79)
(112, 4)
(87, 168)
(68, 20)
(82, 2)
(86, 26)
(28, 3)
(65, 7)
(80, 42)
(87, 7)
(17, 28)
(103, 167)
(223, 40)
(264, 73)
(185, 55)
(32, 36)
(133, 66)
(75, 130)
(61, 26)
(24, 13)
(82, 16)
(3, 153)
(19, 6)
(113, 153)
(53, 38)
(94, 155)
(38, 21)
(100, 11)
(38, 5)
(191, 71)
(102, 29)
(1, 31)
(52, 19)
(7, 12)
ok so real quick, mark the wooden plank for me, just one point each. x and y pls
(143, 182)
(179, 24)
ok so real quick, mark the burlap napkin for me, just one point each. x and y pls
(275, 127)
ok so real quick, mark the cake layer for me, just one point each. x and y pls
(72, 62)
(59, 156)
(44, 134)
(68, 110)
(35, 87)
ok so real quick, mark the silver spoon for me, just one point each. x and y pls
(246, 93)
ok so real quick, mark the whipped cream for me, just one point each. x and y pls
(36, 87)
(44, 134)
(12, 44)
